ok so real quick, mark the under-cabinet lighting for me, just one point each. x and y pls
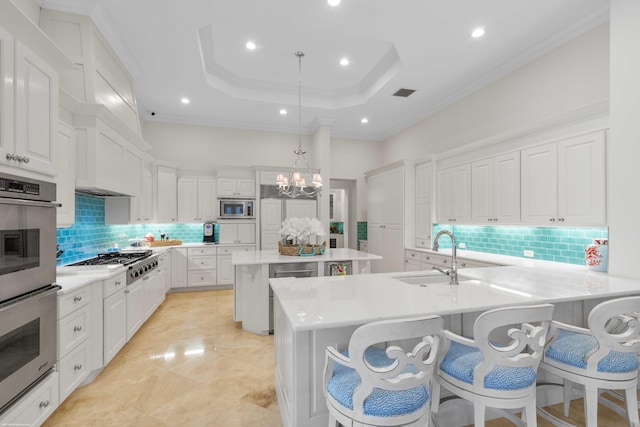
(283, 112)
(250, 45)
(364, 120)
(344, 62)
(185, 100)
(333, 2)
(478, 32)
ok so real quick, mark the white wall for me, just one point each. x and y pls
(29, 8)
(569, 78)
(206, 148)
(624, 139)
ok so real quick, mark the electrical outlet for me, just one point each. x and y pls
(461, 245)
(528, 253)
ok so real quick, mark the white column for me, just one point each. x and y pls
(321, 159)
(624, 139)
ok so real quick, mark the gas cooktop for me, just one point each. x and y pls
(117, 258)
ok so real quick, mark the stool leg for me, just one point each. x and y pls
(591, 404)
(478, 414)
(566, 397)
(435, 397)
(631, 398)
(530, 414)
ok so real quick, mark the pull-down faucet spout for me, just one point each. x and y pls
(453, 272)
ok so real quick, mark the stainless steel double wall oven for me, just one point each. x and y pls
(28, 302)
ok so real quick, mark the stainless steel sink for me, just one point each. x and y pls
(426, 279)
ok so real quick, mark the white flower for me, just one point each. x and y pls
(301, 229)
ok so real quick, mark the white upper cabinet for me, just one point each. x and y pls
(231, 233)
(65, 178)
(563, 183)
(28, 108)
(196, 199)
(141, 206)
(300, 209)
(495, 194)
(453, 195)
(236, 187)
(166, 195)
(424, 183)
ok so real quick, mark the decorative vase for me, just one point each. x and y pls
(597, 255)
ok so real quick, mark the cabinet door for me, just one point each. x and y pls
(271, 213)
(423, 224)
(482, 192)
(228, 233)
(269, 238)
(167, 210)
(179, 277)
(374, 245)
(6, 96)
(65, 180)
(224, 270)
(539, 184)
(462, 193)
(392, 249)
(424, 180)
(36, 111)
(444, 196)
(246, 233)
(207, 200)
(187, 199)
(581, 180)
(300, 209)
(135, 308)
(144, 200)
(506, 199)
(246, 187)
(226, 187)
(115, 325)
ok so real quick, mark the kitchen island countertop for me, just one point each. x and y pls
(274, 257)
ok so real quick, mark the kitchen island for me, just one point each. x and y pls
(253, 300)
(313, 313)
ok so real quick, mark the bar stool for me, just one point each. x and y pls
(498, 367)
(372, 386)
(604, 356)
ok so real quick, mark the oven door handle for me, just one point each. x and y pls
(23, 202)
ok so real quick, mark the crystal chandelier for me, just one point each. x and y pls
(293, 184)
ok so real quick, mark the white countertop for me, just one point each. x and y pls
(326, 302)
(70, 279)
(274, 257)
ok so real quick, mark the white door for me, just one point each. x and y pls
(462, 194)
(207, 200)
(271, 213)
(187, 199)
(228, 233)
(6, 96)
(393, 204)
(115, 324)
(375, 199)
(581, 183)
(444, 196)
(65, 180)
(144, 201)
(224, 270)
(392, 249)
(135, 308)
(506, 197)
(246, 187)
(179, 278)
(246, 233)
(539, 184)
(300, 209)
(482, 191)
(375, 246)
(269, 238)
(167, 195)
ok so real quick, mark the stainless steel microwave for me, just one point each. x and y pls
(237, 208)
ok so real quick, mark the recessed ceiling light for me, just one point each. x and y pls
(478, 32)
(283, 112)
(364, 120)
(344, 62)
(250, 45)
(333, 2)
(185, 100)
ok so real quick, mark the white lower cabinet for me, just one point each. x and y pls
(421, 261)
(115, 325)
(224, 267)
(135, 307)
(202, 266)
(74, 325)
(36, 406)
(179, 269)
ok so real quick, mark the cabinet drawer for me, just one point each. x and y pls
(72, 330)
(435, 259)
(202, 278)
(202, 263)
(113, 285)
(34, 407)
(75, 299)
(201, 251)
(423, 243)
(412, 255)
(231, 249)
(73, 369)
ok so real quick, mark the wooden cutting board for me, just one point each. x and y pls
(157, 243)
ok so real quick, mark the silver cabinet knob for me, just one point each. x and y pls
(77, 298)
(118, 283)
(77, 328)
(77, 367)
(44, 403)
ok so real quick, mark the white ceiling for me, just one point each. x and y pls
(195, 49)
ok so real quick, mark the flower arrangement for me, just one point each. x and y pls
(301, 229)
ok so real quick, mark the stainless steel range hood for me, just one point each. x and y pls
(100, 192)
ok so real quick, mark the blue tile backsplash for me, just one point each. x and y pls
(90, 235)
(564, 245)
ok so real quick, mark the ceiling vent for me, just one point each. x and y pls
(404, 92)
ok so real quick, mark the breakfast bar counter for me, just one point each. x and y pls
(313, 313)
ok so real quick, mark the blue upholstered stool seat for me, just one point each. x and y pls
(571, 349)
(462, 359)
(380, 403)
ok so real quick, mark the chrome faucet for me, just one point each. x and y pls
(453, 272)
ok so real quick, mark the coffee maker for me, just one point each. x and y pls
(209, 235)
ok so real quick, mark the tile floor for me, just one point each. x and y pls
(191, 365)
